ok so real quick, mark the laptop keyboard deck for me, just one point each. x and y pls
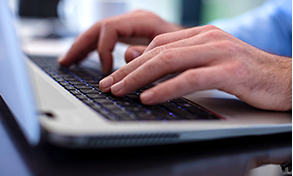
(83, 83)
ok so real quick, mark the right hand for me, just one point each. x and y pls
(137, 27)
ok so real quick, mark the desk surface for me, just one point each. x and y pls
(222, 157)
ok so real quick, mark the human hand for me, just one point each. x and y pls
(137, 27)
(207, 58)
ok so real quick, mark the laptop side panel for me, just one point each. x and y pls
(15, 87)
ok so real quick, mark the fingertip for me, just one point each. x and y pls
(117, 88)
(61, 61)
(106, 59)
(106, 83)
(147, 97)
(133, 52)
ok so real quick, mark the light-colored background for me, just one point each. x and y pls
(170, 10)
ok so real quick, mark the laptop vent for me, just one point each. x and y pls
(139, 140)
(116, 141)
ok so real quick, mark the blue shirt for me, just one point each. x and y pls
(268, 27)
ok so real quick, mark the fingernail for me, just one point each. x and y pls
(135, 54)
(147, 96)
(106, 82)
(117, 87)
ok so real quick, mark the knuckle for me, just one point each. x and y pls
(158, 40)
(163, 93)
(107, 24)
(192, 78)
(119, 74)
(157, 50)
(227, 47)
(100, 50)
(210, 27)
(140, 11)
(144, 14)
(147, 13)
(238, 69)
(213, 34)
(167, 56)
(130, 81)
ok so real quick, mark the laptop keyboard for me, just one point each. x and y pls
(83, 83)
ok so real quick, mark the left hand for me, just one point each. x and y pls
(207, 58)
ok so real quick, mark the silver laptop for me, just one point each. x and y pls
(65, 107)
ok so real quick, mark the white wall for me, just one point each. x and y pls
(169, 10)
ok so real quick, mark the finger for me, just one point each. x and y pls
(178, 35)
(133, 52)
(135, 40)
(169, 61)
(83, 45)
(129, 24)
(105, 46)
(118, 75)
(106, 83)
(120, 27)
(192, 80)
(202, 38)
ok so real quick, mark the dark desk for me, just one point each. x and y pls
(229, 157)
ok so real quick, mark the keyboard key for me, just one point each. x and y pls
(124, 116)
(145, 116)
(63, 83)
(88, 102)
(185, 105)
(89, 91)
(134, 97)
(81, 97)
(103, 101)
(75, 92)
(69, 88)
(112, 116)
(159, 112)
(179, 100)
(112, 107)
(59, 79)
(68, 77)
(80, 86)
(95, 96)
(76, 82)
(179, 112)
(96, 85)
(71, 78)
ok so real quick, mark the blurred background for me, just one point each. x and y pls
(76, 16)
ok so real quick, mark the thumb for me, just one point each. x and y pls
(133, 52)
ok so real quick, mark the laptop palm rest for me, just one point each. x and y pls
(48, 96)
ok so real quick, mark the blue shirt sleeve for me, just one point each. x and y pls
(268, 27)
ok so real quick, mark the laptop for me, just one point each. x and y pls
(65, 107)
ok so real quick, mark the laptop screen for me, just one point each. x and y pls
(15, 87)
